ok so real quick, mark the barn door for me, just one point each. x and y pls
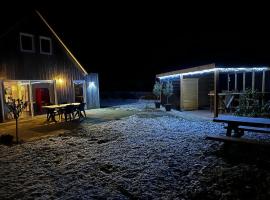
(189, 94)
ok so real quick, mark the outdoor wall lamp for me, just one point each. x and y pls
(92, 84)
(60, 80)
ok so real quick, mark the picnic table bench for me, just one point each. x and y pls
(239, 125)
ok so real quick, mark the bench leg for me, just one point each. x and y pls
(238, 133)
(229, 131)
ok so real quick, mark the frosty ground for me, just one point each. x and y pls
(152, 154)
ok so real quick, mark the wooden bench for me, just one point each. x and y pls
(239, 125)
(227, 139)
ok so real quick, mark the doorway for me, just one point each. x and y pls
(42, 98)
(79, 91)
(43, 94)
(189, 94)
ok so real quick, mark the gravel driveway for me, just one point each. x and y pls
(149, 155)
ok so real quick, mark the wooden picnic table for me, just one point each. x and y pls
(52, 108)
(235, 121)
(55, 106)
(239, 125)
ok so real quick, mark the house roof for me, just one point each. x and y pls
(62, 43)
(68, 51)
(212, 67)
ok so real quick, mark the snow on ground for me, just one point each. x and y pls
(128, 104)
(150, 155)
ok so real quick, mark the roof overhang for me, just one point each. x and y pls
(210, 68)
(78, 64)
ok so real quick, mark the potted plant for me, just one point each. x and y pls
(157, 92)
(168, 91)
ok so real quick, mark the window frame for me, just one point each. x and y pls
(40, 46)
(33, 42)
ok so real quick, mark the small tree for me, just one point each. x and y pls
(16, 107)
(168, 90)
(157, 89)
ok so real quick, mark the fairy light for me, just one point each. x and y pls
(240, 69)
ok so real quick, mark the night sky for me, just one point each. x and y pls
(127, 47)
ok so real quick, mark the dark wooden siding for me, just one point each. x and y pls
(17, 65)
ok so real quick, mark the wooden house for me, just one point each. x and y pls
(203, 86)
(37, 67)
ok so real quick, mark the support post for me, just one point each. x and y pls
(84, 91)
(216, 90)
(228, 82)
(55, 92)
(2, 108)
(31, 99)
(235, 81)
(181, 101)
(263, 82)
(253, 81)
(263, 87)
(244, 82)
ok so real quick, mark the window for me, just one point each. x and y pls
(45, 45)
(27, 42)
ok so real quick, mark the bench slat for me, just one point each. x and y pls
(255, 129)
(236, 140)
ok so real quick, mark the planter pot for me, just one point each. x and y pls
(168, 107)
(157, 104)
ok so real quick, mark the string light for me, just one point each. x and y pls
(240, 69)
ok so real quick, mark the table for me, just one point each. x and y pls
(51, 109)
(235, 121)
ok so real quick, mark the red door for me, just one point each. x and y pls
(42, 98)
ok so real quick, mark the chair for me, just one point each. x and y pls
(68, 111)
(80, 111)
(226, 103)
(51, 114)
(61, 111)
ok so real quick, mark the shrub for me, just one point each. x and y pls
(250, 106)
(168, 90)
(157, 89)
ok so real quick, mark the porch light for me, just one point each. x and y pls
(92, 84)
(60, 80)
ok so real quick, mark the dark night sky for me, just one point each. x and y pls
(127, 47)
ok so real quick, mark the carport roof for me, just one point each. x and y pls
(211, 68)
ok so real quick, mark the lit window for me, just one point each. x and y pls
(45, 45)
(27, 42)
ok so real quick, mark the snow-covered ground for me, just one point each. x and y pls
(149, 155)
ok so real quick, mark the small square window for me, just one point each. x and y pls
(27, 42)
(45, 44)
